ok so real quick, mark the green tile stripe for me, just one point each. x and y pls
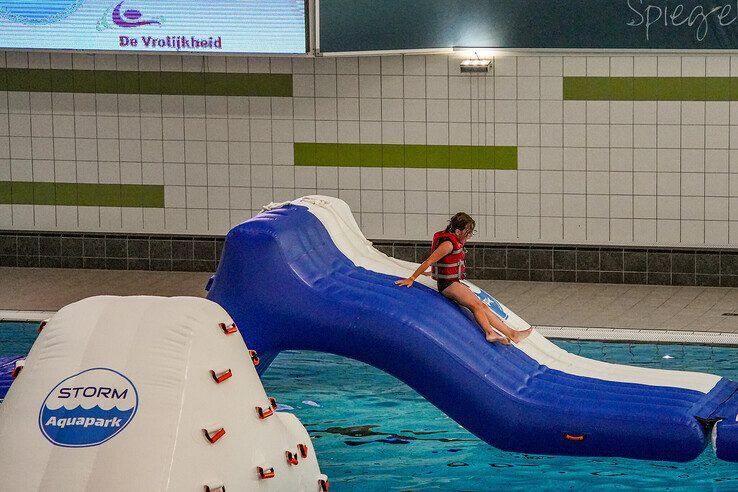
(410, 156)
(167, 83)
(651, 88)
(82, 194)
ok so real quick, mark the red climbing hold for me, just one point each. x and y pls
(16, 371)
(303, 450)
(324, 485)
(264, 413)
(254, 357)
(228, 329)
(570, 437)
(273, 402)
(213, 438)
(268, 473)
(291, 458)
(220, 488)
(219, 378)
(41, 326)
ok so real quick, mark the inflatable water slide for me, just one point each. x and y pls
(301, 276)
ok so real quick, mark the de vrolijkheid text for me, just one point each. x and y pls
(169, 43)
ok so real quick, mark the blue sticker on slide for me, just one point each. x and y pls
(88, 408)
(490, 301)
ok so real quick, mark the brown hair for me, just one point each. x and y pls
(460, 221)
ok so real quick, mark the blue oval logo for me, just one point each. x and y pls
(88, 408)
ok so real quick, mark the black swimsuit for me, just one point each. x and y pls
(443, 283)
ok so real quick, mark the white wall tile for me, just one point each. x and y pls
(621, 207)
(392, 110)
(668, 231)
(575, 66)
(621, 66)
(598, 66)
(347, 65)
(716, 161)
(505, 88)
(669, 66)
(325, 86)
(716, 208)
(669, 112)
(551, 66)
(716, 233)
(575, 229)
(645, 112)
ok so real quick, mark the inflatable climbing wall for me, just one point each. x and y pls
(148, 393)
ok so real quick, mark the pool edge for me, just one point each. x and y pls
(603, 334)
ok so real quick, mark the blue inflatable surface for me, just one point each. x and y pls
(7, 366)
(289, 287)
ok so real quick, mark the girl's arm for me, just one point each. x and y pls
(442, 250)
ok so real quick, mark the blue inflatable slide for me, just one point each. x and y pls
(301, 276)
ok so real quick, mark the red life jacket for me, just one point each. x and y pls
(451, 266)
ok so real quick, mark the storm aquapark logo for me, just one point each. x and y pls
(37, 12)
(88, 408)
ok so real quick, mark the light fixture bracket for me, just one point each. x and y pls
(475, 65)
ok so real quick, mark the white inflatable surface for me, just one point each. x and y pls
(117, 393)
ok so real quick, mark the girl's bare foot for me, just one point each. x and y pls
(519, 336)
(494, 337)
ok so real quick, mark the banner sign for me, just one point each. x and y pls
(151, 26)
(374, 25)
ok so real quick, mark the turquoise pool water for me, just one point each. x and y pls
(373, 433)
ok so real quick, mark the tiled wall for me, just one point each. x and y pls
(110, 251)
(560, 263)
(592, 150)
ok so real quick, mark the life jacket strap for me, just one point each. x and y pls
(448, 265)
(446, 277)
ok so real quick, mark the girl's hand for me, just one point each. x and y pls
(406, 281)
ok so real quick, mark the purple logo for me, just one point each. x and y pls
(130, 17)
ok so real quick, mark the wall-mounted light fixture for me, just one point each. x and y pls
(476, 65)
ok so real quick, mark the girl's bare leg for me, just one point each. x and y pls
(461, 294)
(499, 325)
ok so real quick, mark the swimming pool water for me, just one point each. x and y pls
(371, 432)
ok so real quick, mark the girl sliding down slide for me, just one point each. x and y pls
(448, 269)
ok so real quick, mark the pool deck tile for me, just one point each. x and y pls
(551, 304)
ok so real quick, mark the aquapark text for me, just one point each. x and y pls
(179, 43)
(677, 15)
(83, 422)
